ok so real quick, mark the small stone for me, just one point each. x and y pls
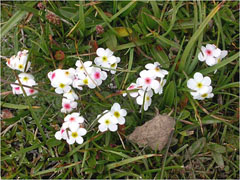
(154, 133)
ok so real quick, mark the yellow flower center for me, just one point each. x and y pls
(107, 121)
(61, 85)
(70, 92)
(199, 85)
(113, 65)
(74, 134)
(116, 114)
(104, 58)
(147, 98)
(219, 60)
(81, 68)
(157, 69)
(20, 66)
(67, 73)
(25, 78)
(85, 81)
(204, 95)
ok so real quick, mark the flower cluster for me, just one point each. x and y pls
(211, 54)
(150, 80)
(110, 118)
(201, 86)
(72, 129)
(21, 63)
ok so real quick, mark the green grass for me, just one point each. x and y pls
(205, 143)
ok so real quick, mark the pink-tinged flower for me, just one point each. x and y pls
(132, 87)
(53, 75)
(75, 135)
(199, 83)
(16, 89)
(98, 76)
(62, 134)
(148, 98)
(209, 54)
(118, 113)
(12, 62)
(147, 80)
(105, 58)
(156, 69)
(72, 120)
(68, 105)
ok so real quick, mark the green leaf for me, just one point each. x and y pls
(18, 16)
(160, 56)
(129, 160)
(16, 106)
(53, 142)
(111, 41)
(148, 21)
(197, 146)
(169, 94)
(195, 37)
(216, 148)
(218, 158)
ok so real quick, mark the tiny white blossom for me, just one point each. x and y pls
(71, 95)
(131, 87)
(105, 58)
(200, 96)
(118, 113)
(108, 121)
(147, 80)
(62, 134)
(73, 120)
(199, 83)
(156, 69)
(62, 85)
(148, 99)
(68, 105)
(80, 70)
(209, 54)
(98, 76)
(160, 89)
(75, 135)
(114, 65)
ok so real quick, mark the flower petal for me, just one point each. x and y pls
(198, 76)
(102, 127)
(100, 52)
(113, 127)
(79, 140)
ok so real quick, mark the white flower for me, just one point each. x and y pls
(87, 82)
(62, 85)
(147, 80)
(108, 121)
(131, 87)
(156, 69)
(27, 79)
(118, 113)
(75, 135)
(68, 105)
(71, 95)
(222, 55)
(80, 70)
(209, 54)
(12, 62)
(98, 76)
(160, 89)
(199, 83)
(77, 83)
(62, 134)
(22, 61)
(105, 58)
(72, 120)
(201, 96)
(148, 98)
(16, 89)
(114, 65)
(69, 73)
(55, 74)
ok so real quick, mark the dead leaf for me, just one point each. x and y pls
(154, 133)
(6, 114)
